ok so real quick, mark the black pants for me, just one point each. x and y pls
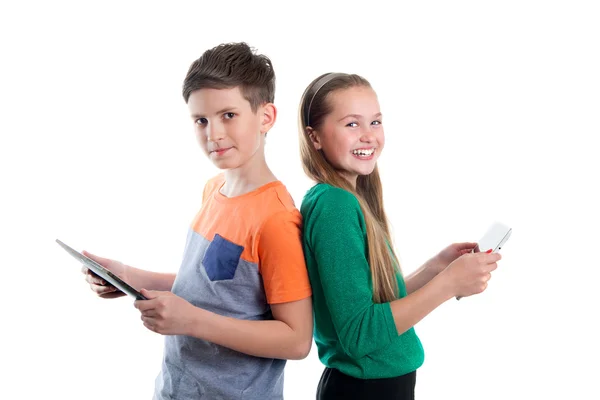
(336, 385)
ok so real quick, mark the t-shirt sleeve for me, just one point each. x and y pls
(281, 259)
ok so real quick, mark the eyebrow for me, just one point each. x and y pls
(357, 116)
(222, 111)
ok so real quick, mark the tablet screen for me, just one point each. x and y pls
(103, 272)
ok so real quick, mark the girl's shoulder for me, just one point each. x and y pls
(330, 203)
(324, 194)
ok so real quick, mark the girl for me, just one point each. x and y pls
(364, 309)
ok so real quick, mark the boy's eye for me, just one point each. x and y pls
(352, 124)
(229, 115)
(201, 121)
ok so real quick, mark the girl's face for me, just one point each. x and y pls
(351, 136)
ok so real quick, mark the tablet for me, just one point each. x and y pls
(103, 272)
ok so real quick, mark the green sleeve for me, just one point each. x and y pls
(337, 237)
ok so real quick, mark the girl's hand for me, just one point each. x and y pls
(469, 274)
(445, 257)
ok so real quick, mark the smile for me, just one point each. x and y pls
(363, 153)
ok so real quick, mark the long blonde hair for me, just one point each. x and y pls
(314, 107)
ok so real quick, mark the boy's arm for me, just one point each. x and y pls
(288, 336)
(138, 278)
(287, 288)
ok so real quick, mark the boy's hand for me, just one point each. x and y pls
(166, 313)
(99, 285)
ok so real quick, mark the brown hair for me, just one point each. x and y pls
(314, 107)
(232, 65)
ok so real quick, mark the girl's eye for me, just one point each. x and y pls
(376, 122)
(352, 124)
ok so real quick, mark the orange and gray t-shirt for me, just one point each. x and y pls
(242, 254)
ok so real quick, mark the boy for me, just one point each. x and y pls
(241, 302)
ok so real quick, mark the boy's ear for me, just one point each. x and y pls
(269, 116)
(314, 137)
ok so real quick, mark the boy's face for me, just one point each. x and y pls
(227, 129)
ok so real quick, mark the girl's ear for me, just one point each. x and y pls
(314, 137)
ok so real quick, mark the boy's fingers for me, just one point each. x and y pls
(149, 313)
(100, 289)
(112, 295)
(143, 305)
(95, 279)
(149, 325)
(100, 260)
(149, 294)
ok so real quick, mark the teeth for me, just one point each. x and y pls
(363, 152)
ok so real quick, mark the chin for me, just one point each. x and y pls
(367, 171)
(225, 164)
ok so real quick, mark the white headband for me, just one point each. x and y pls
(320, 83)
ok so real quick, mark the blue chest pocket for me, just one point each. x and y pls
(221, 258)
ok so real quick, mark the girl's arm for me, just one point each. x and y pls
(419, 278)
(338, 241)
(466, 276)
(436, 264)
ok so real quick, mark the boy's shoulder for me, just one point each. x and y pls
(271, 198)
(212, 185)
(284, 197)
(274, 205)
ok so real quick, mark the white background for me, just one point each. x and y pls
(490, 111)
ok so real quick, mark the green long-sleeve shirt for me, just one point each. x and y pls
(353, 334)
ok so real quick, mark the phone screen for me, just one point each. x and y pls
(494, 238)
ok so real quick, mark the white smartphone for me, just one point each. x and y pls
(494, 239)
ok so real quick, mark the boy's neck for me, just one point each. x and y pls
(245, 179)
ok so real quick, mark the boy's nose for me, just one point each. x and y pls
(215, 132)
